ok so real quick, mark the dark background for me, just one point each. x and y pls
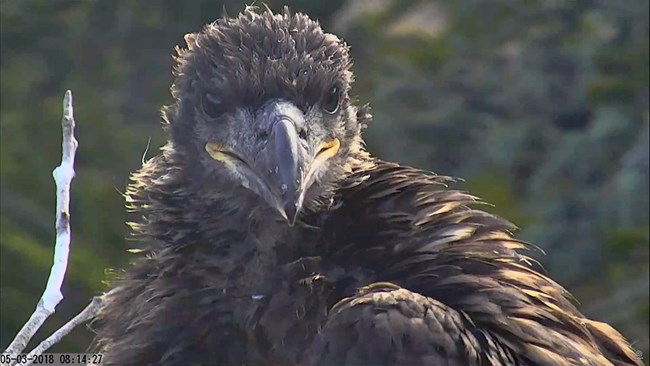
(542, 106)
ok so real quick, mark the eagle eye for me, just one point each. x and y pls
(332, 100)
(212, 105)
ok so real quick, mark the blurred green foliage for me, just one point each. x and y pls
(541, 105)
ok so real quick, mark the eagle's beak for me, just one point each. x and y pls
(285, 167)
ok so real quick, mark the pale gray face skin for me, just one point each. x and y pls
(277, 151)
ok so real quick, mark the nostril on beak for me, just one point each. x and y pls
(262, 134)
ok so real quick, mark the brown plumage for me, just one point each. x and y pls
(269, 236)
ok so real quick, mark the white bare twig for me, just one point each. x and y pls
(63, 175)
(87, 314)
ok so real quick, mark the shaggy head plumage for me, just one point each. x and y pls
(258, 78)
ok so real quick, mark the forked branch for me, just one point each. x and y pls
(63, 175)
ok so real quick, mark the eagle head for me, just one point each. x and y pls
(262, 105)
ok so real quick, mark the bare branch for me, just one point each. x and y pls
(87, 314)
(63, 175)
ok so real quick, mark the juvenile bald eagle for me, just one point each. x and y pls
(270, 236)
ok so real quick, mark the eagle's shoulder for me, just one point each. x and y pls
(410, 228)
